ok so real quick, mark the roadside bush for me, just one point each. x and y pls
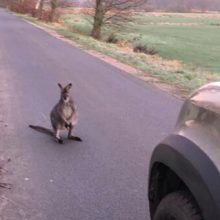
(2, 3)
(23, 7)
(123, 43)
(141, 48)
(112, 39)
(46, 16)
(29, 7)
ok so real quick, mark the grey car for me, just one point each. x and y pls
(184, 177)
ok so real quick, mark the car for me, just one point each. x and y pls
(184, 173)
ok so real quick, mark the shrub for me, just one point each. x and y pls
(141, 48)
(112, 39)
(123, 43)
(46, 16)
(23, 7)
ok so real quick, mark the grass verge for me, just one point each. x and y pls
(180, 75)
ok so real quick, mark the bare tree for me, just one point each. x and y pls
(109, 9)
(54, 4)
(22, 6)
(39, 7)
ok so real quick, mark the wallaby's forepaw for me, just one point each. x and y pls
(74, 138)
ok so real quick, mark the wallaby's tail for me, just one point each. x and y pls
(42, 130)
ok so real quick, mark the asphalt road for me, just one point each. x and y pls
(121, 120)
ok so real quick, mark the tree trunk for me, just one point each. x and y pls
(98, 20)
(39, 8)
(53, 5)
(96, 31)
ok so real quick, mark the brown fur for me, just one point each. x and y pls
(63, 116)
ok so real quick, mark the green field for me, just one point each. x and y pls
(187, 45)
(191, 38)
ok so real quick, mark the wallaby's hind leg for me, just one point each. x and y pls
(57, 136)
(70, 134)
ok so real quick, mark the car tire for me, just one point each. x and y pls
(178, 205)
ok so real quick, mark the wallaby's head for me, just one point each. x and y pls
(65, 92)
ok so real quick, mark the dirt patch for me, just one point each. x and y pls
(77, 11)
(162, 64)
(57, 25)
(186, 15)
(175, 24)
(3, 163)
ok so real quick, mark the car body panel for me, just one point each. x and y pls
(195, 169)
(199, 120)
(192, 151)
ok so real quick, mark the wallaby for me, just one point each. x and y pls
(63, 116)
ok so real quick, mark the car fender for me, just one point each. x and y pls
(195, 169)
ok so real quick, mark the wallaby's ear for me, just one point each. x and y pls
(60, 86)
(69, 86)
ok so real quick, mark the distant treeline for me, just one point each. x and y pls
(185, 5)
(171, 5)
(154, 5)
